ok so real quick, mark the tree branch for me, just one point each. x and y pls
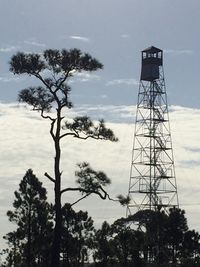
(84, 191)
(62, 81)
(89, 192)
(37, 75)
(90, 136)
(66, 134)
(116, 200)
(49, 177)
(46, 116)
(76, 135)
(51, 129)
(80, 199)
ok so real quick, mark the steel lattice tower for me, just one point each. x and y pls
(152, 179)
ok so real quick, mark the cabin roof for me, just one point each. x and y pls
(152, 49)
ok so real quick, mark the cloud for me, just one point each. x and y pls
(80, 38)
(125, 36)
(190, 163)
(179, 52)
(9, 78)
(25, 143)
(122, 81)
(104, 96)
(193, 149)
(113, 114)
(9, 49)
(30, 42)
(84, 77)
(33, 42)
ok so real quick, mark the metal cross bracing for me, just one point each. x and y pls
(152, 182)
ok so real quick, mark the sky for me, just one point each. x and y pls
(115, 32)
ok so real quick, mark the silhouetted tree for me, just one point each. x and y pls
(31, 215)
(167, 239)
(127, 243)
(103, 248)
(190, 250)
(77, 236)
(177, 227)
(13, 253)
(119, 245)
(162, 239)
(53, 68)
(157, 228)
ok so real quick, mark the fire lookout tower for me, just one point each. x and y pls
(152, 182)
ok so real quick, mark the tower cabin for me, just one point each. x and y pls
(152, 59)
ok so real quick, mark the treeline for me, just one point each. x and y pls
(146, 238)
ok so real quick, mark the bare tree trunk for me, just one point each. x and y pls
(55, 262)
(29, 239)
(57, 230)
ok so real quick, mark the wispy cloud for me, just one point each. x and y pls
(8, 78)
(84, 77)
(8, 49)
(179, 52)
(193, 149)
(113, 114)
(33, 42)
(80, 38)
(130, 81)
(125, 35)
(190, 163)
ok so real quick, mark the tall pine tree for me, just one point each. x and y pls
(54, 68)
(32, 216)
